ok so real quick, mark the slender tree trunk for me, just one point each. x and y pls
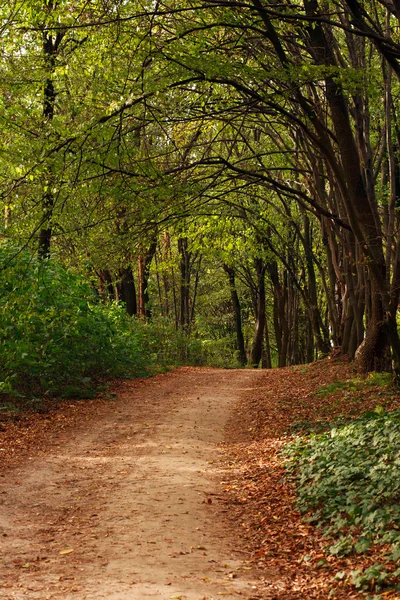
(283, 357)
(257, 347)
(237, 312)
(184, 283)
(280, 319)
(144, 264)
(167, 247)
(50, 47)
(266, 360)
(195, 290)
(106, 286)
(321, 343)
(309, 342)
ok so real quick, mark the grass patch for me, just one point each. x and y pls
(356, 384)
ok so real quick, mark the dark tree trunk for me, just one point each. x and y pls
(266, 358)
(144, 264)
(321, 342)
(347, 328)
(50, 46)
(106, 286)
(280, 319)
(127, 291)
(335, 284)
(293, 322)
(237, 313)
(257, 347)
(374, 352)
(166, 251)
(184, 283)
(195, 291)
(309, 342)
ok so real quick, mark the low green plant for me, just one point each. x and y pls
(374, 578)
(354, 385)
(348, 482)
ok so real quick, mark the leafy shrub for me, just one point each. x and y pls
(169, 346)
(56, 337)
(350, 477)
(166, 346)
(348, 481)
(220, 353)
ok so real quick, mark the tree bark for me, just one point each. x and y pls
(237, 313)
(127, 290)
(144, 264)
(321, 342)
(266, 359)
(50, 47)
(106, 287)
(184, 283)
(257, 347)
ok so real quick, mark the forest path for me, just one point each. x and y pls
(126, 505)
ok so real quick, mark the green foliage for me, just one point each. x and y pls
(374, 578)
(220, 353)
(356, 384)
(348, 481)
(167, 346)
(57, 339)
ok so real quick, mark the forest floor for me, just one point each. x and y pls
(169, 487)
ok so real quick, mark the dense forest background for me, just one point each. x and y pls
(210, 182)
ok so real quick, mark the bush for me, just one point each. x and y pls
(57, 339)
(348, 481)
(350, 476)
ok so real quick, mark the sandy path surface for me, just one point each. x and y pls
(128, 508)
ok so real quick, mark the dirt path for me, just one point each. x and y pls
(127, 506)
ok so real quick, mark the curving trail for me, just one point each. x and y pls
(127, 506)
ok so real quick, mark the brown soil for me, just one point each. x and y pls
(121, 499)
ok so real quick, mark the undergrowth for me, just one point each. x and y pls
(355, 384)
(59, 340)
(348, 483)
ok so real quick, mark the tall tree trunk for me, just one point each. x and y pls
(166, 251)
(195, 291)
(237, 313)
(280, 318)
(266, 358)
(321, 342)
(257, 347)
(50, 47)
(127, 290)
(184, 283)
(144, 264)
